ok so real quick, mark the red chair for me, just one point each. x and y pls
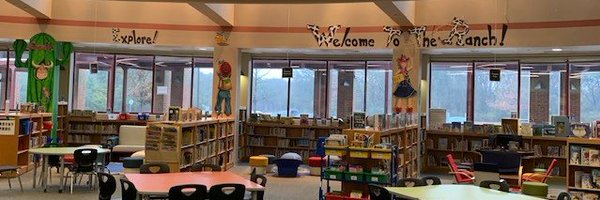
(535, 177)
(461, 175)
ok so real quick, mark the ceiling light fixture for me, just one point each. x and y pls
(557, 49)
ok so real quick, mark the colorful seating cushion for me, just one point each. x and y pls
(131, 162)
(259, 161)
(316, 161)
(291, 155)
(535, 189)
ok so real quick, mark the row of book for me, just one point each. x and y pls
(579, 195)
(587, 180)
(85, 138)
(95, 128)
(35, 142)
(457, 145)
(552, 151)
(584, 156)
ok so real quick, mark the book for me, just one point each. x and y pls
(456, 127)
(585, 156)
(561, 124)
(437, 117)
(358, 120)
(590, 196)
(553, 151)
(576, 195)
(586, 181)
(594, 157)
(475, 145)
(577, 178)
(443, 143)
(596, 178)
(510, 126)
(575, 155)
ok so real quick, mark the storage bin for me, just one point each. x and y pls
(364, 197)
(7, 127)
(335, 150)
(357, 152)
(333, 174)
(377, 178)
(26, 127)
(384, 154)
(352, 176)
(334, 196)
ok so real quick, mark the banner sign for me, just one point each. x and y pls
(458, 35)
(132, 37)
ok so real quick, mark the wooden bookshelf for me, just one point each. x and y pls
(182, 144)
(15, 145)
(407, 140)
(93, 131)
(277, 139)
(575, 169)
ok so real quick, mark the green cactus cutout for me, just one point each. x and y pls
(45, 55)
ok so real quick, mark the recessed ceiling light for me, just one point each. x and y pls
(557, 49)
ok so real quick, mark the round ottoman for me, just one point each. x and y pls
(537, 189)
(258, 164)
(139, 154)
(132, 164)
(315, 164)
(271, 159)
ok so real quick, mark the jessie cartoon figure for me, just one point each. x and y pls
(225, 85)
(404, 88)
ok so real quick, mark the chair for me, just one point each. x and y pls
(434, 180)
(460, 175)
(564, 196)
(503, 186)
(176, 192)
(108, 185)
(508, 161)
(205, 167)
(131, 139)
(377, 192)
(218, 192)
(485, 171)
(287, 167)
(85, 164)
(12, 169)
(128, 190)
(535, 177)
(154, 168)
(263, 182)
(411, 182)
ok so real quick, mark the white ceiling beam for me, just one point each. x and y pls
(222, 14)
(41, 9)
(402, 12)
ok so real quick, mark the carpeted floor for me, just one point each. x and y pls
(300, 188)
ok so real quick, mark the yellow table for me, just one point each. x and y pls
(447, 192)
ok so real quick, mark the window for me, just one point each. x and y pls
(308, 88)
(133, 83)
(172, 83)
(495, 100)
(203, 84)
(541, 96)
(584, 91)
(91, 92)
(448, 89)
(346, 88)
(269, 89)
(379, 87)
(18, 84)
(3, 76)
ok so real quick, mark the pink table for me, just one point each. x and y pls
(159, 184)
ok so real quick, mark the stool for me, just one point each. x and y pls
(535, 189)
(9, 170)
(271, 162)
(259, 163)
(315, 163)
(132, 164)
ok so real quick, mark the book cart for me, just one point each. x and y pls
(359, 166)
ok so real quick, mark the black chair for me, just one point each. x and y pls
(263, 182)
(128, 190)
(108, 185)
(411, 182)
(176, 193)
(9, 170)
(85, 164)
(377, 192)
(221, 192)
(502, 186)
(148, 168)
(434, 180)
(205, 167)
(564, 196)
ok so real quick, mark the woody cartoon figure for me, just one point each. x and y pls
(402, 78)
(225, 86)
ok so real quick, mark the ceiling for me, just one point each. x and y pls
(268, 1)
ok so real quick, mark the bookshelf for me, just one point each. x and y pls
(584, 167)
(81, 130)
(407, 141)
(463, 146)
(19, 133)
(277, 139)
(182, 144)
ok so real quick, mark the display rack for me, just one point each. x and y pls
(20, 132)
(267, 138)
(407, 141)
(182, 144)
(367, 158)
(583, 170)
(95, 131)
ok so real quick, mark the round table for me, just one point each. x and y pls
(61, 152)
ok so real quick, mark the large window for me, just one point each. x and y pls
(541, 91)
(270, 90)
(134, 77)
(18, 84)
(449, 83)
(172, 83)
(346, 88)
(495, 100)
(92, 76)
(584, 91)
(379, 87)
(203, 84)
(307, 89)
(3, 76)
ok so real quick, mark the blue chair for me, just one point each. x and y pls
(287, 167)
(321, 146)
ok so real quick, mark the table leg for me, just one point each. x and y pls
(35, 165)
(44, 174)
(254, 195)
(62, 174)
